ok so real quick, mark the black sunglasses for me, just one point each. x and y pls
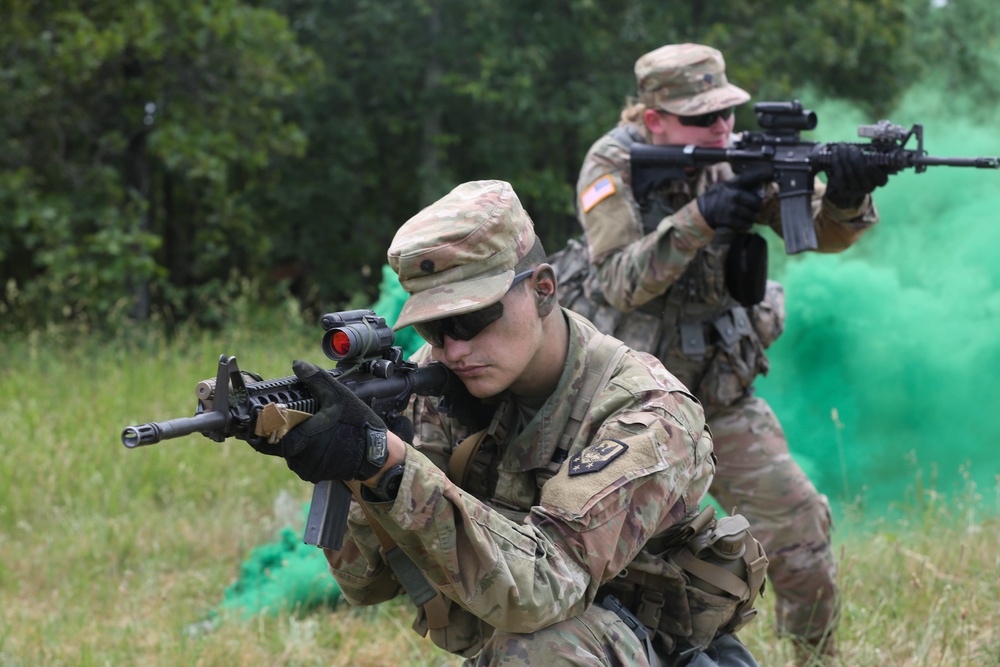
(468, 325)
(706, 119)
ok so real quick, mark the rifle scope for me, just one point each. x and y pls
(784, 116)
(355, 334)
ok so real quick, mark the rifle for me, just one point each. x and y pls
(368, 364)
(794, 162)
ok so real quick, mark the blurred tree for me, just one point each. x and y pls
(958, 44)
(423, 94)
(335, 208)
(165, 144)
(132, 132)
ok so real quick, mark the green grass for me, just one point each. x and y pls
(107, 555)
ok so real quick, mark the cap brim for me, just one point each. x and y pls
(709, 101)
(453, 299)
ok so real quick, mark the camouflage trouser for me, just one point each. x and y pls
(757, 476)
(596, 637)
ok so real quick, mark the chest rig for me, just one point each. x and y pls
(697, 328)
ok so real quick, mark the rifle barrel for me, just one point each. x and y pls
(977, 162)
(154, 432)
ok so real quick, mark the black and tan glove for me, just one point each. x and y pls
(344, 440)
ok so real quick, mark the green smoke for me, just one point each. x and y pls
(901, 333)
(285, 575)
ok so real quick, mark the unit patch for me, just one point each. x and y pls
(598, 191)
(596, 457)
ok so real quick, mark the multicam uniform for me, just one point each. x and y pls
(543, 523)
(659, 285)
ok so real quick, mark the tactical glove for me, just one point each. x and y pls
(344, 440)
(850, 177)
(734, 203)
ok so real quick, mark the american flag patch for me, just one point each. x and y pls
(598, 191)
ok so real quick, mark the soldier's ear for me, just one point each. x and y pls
(654, 121)
(545, 284)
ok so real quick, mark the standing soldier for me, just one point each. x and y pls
(657, 277)
(559, 533)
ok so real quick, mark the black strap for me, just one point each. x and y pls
(613, 604)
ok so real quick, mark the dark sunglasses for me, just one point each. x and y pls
(469, 325)
(706, 119)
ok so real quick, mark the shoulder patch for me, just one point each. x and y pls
(598, 191)
(596, 457)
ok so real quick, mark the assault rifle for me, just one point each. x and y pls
(230, 404)
(794, 163)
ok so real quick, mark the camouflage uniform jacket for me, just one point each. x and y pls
(663, 266)
(530, 544)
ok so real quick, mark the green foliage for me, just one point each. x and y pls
(959, 42)
(856, 50)
(133, 133)
(159, 152)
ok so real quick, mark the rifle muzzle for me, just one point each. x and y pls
(153, 432)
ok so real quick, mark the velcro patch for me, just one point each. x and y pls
(596, 457)
(598, 191)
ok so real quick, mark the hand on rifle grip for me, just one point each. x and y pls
(333, 443)
(735, 203)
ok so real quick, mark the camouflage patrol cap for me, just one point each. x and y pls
(458, 254)
(686, 80)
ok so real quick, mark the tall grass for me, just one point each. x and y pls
(108, 555)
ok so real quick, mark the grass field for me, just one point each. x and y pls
(107, 555)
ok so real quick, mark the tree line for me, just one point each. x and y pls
(162, 158)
